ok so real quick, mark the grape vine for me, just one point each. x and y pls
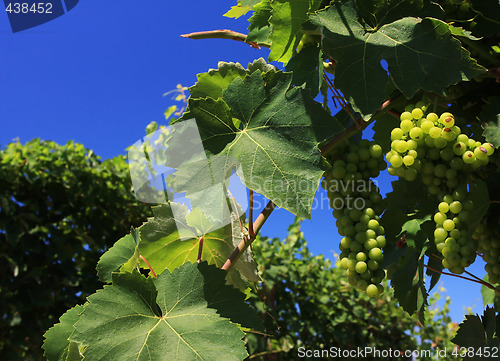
(433, 102)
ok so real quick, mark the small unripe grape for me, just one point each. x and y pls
(372, 290)
(459, 148)
(481, 153)
(456, 207)
(396, 133)
(416, 133)
(426, 125)
(468, 157)
(489, 148)
(435, 132)
(361, 267)
(376, 254)
(417, 113)
(443, 207)
(448, 225)
(406, 125)
(375, 150)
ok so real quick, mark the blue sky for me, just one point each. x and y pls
(97, 75)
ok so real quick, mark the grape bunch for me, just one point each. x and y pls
(357, 205)
(435, 148)
(488, 240)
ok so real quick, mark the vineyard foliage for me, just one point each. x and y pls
(426, 73)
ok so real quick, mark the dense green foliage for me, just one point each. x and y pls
(315, 307)
(61, 206)
(393, 61)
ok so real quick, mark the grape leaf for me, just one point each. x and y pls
(168, 241)
(478, 193)
(274, 149)
(379, 12)
(488, 294)
(169, 318)
(286, 22)
(307, 68)
(259, 28)
(383, 126)
(436, 265)
(237, 11)
(478, 332)
(421, 54)
(57, 345)
(490, 116)
(407, 279)
(124, 251)
(212, 83)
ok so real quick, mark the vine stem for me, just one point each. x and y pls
(250, 213)
(224, 34)
(200, 250)
(247, 241)
(458, 276)
(147, 263)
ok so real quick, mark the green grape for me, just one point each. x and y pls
(480, 153)
(448, 134)
(448, 225)
(440, 234)
(405, 116)
(468, 157)
(433, 117)
(489, 148)
(401, 146)
(440, 217)
(396, 161)
(416, 133)
(456, 207)
(372, 290)
(375, 150)
(361, 267)
(435, 132)
(406, 125)
(426, 126)
(396, 133)
(408, 160)
(417, 113)
(376, 254)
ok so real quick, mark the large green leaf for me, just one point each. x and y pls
(286, 22)
(274, 147)
(490, 116)
(172, 237)
(259, 28)
(307, 68)
(379, 12)
(421, 54)
(169, 318)
(479, 334)
(212, 83)
(124, 251)
(407, 279)
(57, 345)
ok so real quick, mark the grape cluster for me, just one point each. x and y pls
(357, 205)
(434, 147)
(488, 240)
